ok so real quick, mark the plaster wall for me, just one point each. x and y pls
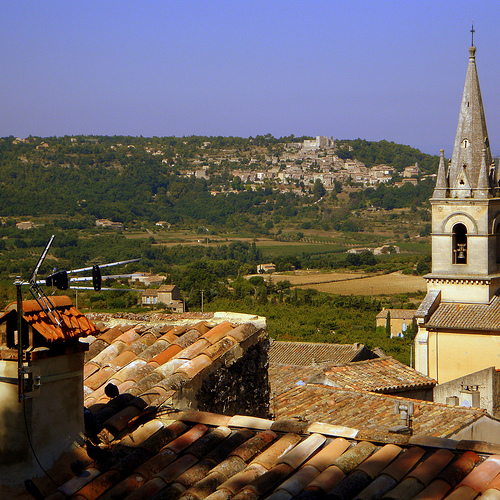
(487, 382)
(53, 419)
(485, 429)
(454, 355)
(479, 292)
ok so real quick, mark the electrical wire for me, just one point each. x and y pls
(31, 445)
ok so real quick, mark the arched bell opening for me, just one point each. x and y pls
(459, 244)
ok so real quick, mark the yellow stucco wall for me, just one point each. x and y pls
(453, 355)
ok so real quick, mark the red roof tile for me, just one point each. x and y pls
(378, 375)
(73, 323)
(308, 353)
(466, 316)
(370, 411)
(188, 460)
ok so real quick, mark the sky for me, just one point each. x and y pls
(374, 69)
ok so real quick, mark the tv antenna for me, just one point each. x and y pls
(61, 280)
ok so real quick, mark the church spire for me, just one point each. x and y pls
(441, 188)
(471, 137)
(483, 183)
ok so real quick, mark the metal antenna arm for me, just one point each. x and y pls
(40, 260)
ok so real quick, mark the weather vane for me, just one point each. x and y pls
(472, 31)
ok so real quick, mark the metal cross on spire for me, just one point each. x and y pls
(472, 31)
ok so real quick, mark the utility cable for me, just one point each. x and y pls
(31, 445)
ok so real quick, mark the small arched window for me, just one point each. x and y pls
(459, 244)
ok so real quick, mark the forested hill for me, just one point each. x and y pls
(387, 153)
(137, 178)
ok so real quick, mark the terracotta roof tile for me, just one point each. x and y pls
(191, 461)
(463, 493)
(370, 412)
(252, 446)
(166, 354)
(296, 483)
(301, 452)
(73, 323)
(307, 353)
(479, 478)
(373, 465)
(491, 494)
(218, 332)
(466, 316)
(326, 481)
(109, 336)
(154, 350)
(435, 491)
(271, 455)
(378, 375)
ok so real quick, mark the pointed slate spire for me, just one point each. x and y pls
(483, 183)
(441, 188)
(471, 136)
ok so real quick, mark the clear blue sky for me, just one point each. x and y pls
(372, 69)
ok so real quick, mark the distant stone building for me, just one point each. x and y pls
(401, 320)
(412, 171)
(108, 224)
(168, 295)
(266, 268)
(25, 225)
(320, 142)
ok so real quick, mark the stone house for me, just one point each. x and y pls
(169, 295)
(401, 320)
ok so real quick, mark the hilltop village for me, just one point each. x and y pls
(263, 161)
(302, 164)
(204, 405)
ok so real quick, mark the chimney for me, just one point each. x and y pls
(470, 397)
(41, 386)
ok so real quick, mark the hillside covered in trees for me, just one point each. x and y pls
(130, 179)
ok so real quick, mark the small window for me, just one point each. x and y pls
(465, 143)
(459, 244)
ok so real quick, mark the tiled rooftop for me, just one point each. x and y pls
(308, 353)
(378, 375)
(467, 316)
(371, 412)
(73, 323)
(284, 377)
(154, 364)
(195, 455)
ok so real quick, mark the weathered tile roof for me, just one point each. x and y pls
(397, 313)
(284, 377)
(155, 363)
(73, 323)
(371, 412)
(377, 375)
(467, 316)
(307, 353)
(195, 455)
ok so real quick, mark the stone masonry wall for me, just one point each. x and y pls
(240, 389)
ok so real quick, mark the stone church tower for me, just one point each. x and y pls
(459, 319)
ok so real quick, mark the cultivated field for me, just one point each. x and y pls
(354, 283)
